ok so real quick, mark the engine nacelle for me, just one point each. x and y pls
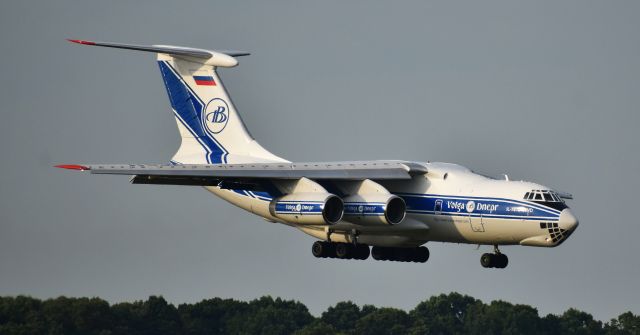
(374, 209)
(308, 208)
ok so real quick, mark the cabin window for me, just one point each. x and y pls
(547, 198)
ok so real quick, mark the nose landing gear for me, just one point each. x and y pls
(496, 260)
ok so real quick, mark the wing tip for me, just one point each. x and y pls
(84, 42)
(73, 167)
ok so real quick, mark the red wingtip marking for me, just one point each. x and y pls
(81, 42)
(73, 167)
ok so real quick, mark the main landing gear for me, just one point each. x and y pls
(361, 252)
(340, 250)
(417, 255)
(496, 260)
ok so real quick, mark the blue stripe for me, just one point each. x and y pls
(485, 207)
(261, 195)
(298, 207)
(363, 214)
(203, 78)
(364, 203)
(537, 218)
(188, 110)
(363, 208)
(552, 211)
(264, 196)
(423, 204)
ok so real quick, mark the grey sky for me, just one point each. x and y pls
(546, 91)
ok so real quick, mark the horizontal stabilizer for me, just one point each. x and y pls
(171, 50)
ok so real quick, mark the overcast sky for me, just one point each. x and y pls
(546, 91)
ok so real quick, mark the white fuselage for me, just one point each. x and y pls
(448, 204)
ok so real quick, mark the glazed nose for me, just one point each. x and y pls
(567, 220)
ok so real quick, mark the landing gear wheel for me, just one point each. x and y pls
(421, 254)
(323, 249)
(318, 249)
(402, 255)
(498, 261)
(487, 260)
(501, 261)
(361, 252)
(379, 253)
(344, 251)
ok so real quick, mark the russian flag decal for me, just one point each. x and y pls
(204, 80)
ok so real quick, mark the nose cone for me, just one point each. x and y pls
(567, 220)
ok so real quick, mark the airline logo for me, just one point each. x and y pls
(216, 116)
(472, 206)
(204, 80)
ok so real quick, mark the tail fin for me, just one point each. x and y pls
(212, 131)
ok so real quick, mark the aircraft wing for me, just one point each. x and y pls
(251, 173)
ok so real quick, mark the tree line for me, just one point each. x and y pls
(444, 314)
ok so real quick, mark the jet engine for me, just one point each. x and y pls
(308, 208)
(374, 209)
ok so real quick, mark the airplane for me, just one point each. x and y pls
(384, 208)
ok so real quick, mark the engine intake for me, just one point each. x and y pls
(308, 208)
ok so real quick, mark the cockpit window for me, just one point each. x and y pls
(547, 198)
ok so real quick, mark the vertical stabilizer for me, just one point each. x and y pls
(211, 129)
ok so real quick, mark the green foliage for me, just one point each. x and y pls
(501, 317)
(574, 321)
(213, 316)
(317, 327)
(626, 323)
(343, 316)
(154, 316)
(383, 321)
(444, 314)
(274, 317)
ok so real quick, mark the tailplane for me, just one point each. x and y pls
(211, 129)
